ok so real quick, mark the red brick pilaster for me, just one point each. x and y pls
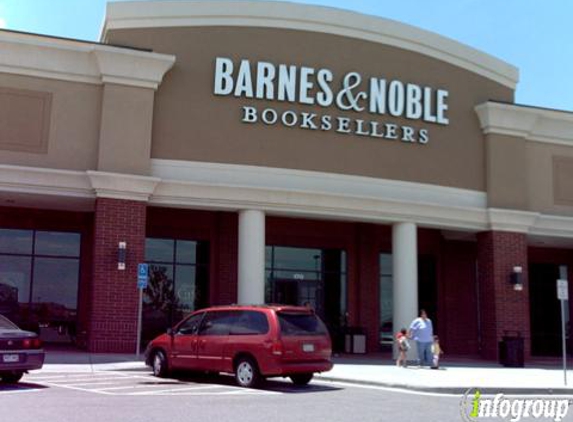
(114, 292)
(224, 275)
(502, 309)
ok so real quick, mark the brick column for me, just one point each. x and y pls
(114, 293)
(501, 307)
(368, 267)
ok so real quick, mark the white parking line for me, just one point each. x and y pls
(115, 383)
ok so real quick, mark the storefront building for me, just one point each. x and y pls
(272, 152)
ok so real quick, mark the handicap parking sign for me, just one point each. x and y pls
(142, 275)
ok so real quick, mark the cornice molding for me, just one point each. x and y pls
(75, 61)
(122, 186)
(531, 124)
(155, 14)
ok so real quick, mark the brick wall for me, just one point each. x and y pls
(114, 304)
(502, 309)
(457, 298)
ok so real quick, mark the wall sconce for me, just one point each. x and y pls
(516, 278)
(121, 249)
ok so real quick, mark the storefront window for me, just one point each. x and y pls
(39, 278)
(178, 282)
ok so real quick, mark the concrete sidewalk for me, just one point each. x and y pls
(455, 377)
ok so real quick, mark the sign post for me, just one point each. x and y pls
(142, 277)
(563, 295)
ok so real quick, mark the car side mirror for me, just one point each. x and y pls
(170, 332)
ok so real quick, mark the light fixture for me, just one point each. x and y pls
(121, 250)
(516, 278)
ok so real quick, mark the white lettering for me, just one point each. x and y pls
(391, 131)
(396, 98)
(562, 408)
(326, 122)
(265, 78)
(269, 116)
(287, 83)
(424, 136)
(377, 96)
(293, 118)
(305, 85)
(408, 134)
(223, 76)
(325, 96)
(249, 115)
(413, 101)
(428, 116)
(360, 128)
(343, 124)
(244, 83)
(442, 107)
(374, 130)
(307, 121)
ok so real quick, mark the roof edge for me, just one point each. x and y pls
(156, 14)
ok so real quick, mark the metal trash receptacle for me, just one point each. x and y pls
(355, 340)
(511, 350)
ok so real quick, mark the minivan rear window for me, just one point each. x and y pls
(299, 324)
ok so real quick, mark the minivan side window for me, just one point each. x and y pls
(249, 322)
(216, 323)
(300, 324)
(190, 326)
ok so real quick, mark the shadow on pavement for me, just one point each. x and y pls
(272, 384)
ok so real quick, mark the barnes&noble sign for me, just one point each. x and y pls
(288, 84)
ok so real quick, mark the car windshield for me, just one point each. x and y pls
(6, 324)
(297, 324)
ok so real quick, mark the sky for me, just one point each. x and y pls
(536, 36)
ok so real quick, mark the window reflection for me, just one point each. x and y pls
(39, 276)
(178, 283)
(16, 241)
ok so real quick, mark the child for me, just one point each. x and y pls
(436, 351)
(403, 347)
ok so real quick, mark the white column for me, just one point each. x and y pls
(251, 257)
(405, 277)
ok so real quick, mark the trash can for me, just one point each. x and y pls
(355, 340)
(511, 350)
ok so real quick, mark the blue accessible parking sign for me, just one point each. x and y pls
(142, 275)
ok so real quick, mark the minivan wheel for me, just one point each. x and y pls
(246, 373)
(159, 364)
(11, 377)
(301, 379)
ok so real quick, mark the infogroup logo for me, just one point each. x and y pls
(475, 406)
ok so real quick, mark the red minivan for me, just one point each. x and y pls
(251, 342)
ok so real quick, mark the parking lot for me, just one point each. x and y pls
(140, 383)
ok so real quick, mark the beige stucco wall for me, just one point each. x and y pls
(72, 141)
(125, 138)
(191, 123)
(550, 178)
(507, 172)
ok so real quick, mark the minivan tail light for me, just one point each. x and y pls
(32, 343)
(277, 348)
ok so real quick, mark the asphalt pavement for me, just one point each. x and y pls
(453, 377)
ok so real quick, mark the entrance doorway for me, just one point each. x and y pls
(311, 277)
(545, 309)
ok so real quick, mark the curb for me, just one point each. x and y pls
(455, 390)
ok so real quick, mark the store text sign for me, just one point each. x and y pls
(298, 86)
